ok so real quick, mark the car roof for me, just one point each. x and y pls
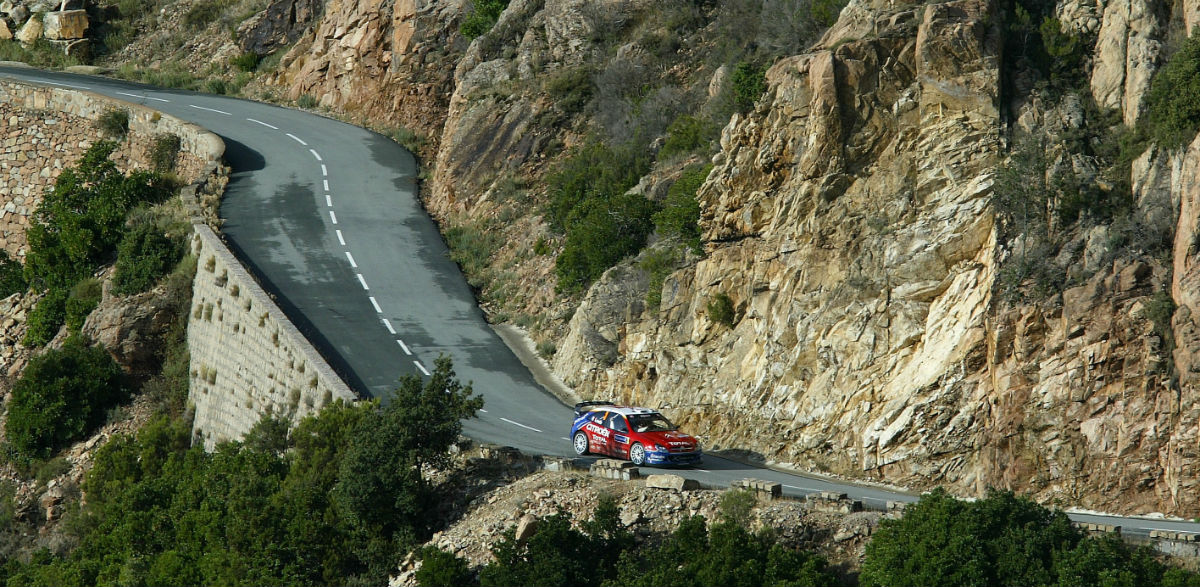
(628, 411)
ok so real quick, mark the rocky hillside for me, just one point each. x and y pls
(936, 249)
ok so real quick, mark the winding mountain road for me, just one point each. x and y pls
(327, 216)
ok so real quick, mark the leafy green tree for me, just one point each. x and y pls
(380, 489)
(594, 171)
(1000, 540)
(61, 395)
(442, 569)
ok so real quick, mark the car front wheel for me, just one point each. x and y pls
(581, 443)
(637, 454)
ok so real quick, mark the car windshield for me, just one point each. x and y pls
(650, 423)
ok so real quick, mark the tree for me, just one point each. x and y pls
(380, 489)
(61, 395)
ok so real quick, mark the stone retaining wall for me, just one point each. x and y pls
(247, 359)
(44, 130)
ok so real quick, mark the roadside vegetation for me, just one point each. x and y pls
(337, 501)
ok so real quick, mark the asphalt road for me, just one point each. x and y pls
(326, 215)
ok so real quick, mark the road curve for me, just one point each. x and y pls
(327, 216)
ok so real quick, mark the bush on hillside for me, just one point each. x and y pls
(688, 134)
(1173, 102)
(483, 16)
(749, 84)
(46, 318)
(144, 255)
(62, 395)
(165, 151)
(680, 214)
(114, 123)
(82, 299)
(12, 275)
(602, 232)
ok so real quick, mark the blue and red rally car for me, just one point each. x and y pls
(641, 435)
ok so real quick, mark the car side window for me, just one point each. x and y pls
(617, 422)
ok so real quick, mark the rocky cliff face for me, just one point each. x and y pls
(851, 219)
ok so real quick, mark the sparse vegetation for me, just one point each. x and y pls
(114, 123)
(749, 84)
(165, 152)
(1173, 102)
(12, 276)
(306, 101)
(246, 61)
(482, 17)
(720, 309)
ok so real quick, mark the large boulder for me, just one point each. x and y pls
(132, 328)
(65, 25)
(31, 32)
(5, 34)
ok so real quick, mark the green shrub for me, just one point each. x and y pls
(601, 233)
(593, 171)
(680, 215)
(306, 101)
(483, 16)
(84, 298)
(749, 83)
(12, 276)
(216, 86)
(1000, 540)
(570, 88)
(442, 569)
(79, 223)
(114, 123)
(720, 309)
(61, 395)
(541, 246)
(247, 61)
(46, 318)
(144, 255)
(1173, 102)
(164, 152)
(201, 13)
(688, 134)
(658, 263)
(472, 246)
(826, 12)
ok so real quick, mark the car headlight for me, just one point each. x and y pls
(655, 447)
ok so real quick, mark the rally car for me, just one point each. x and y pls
(641, 435)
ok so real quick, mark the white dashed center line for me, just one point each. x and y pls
(324, 170)
(404, 347)
(376, 304)
(353, 265)
(333, 216)
(564, 438)
(483, 410)
(423, 370)
(388, 324)
(297, 139)
(326, 184)
(363, 281)
(329, 200)
(142, 97)
(520, 424)
(210, 109)
(341, 239)
(270, 126)
(315, 154)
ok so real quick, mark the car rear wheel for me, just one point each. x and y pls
(581, 443)
(637, 454)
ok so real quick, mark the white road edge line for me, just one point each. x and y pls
(316, 154)
(564, 438)
(341, 239)
(324, 170)
(376, 304)
(362, 281)
(353, 265)
(329, 200)
(520, 424)
(333, 216)
(424, 370)
(67, 85)
(800, 488)
(142, 96)
(297, 139)
(405, 347)
(210, 109)
(270, 126)
(388, 323)
(483, 410)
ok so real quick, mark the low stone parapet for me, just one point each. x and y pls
(770, 489)
(833, 502)
(676, 483)
(1171, 535)
(614, 469)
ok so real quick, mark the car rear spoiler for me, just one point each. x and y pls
(582, 408)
